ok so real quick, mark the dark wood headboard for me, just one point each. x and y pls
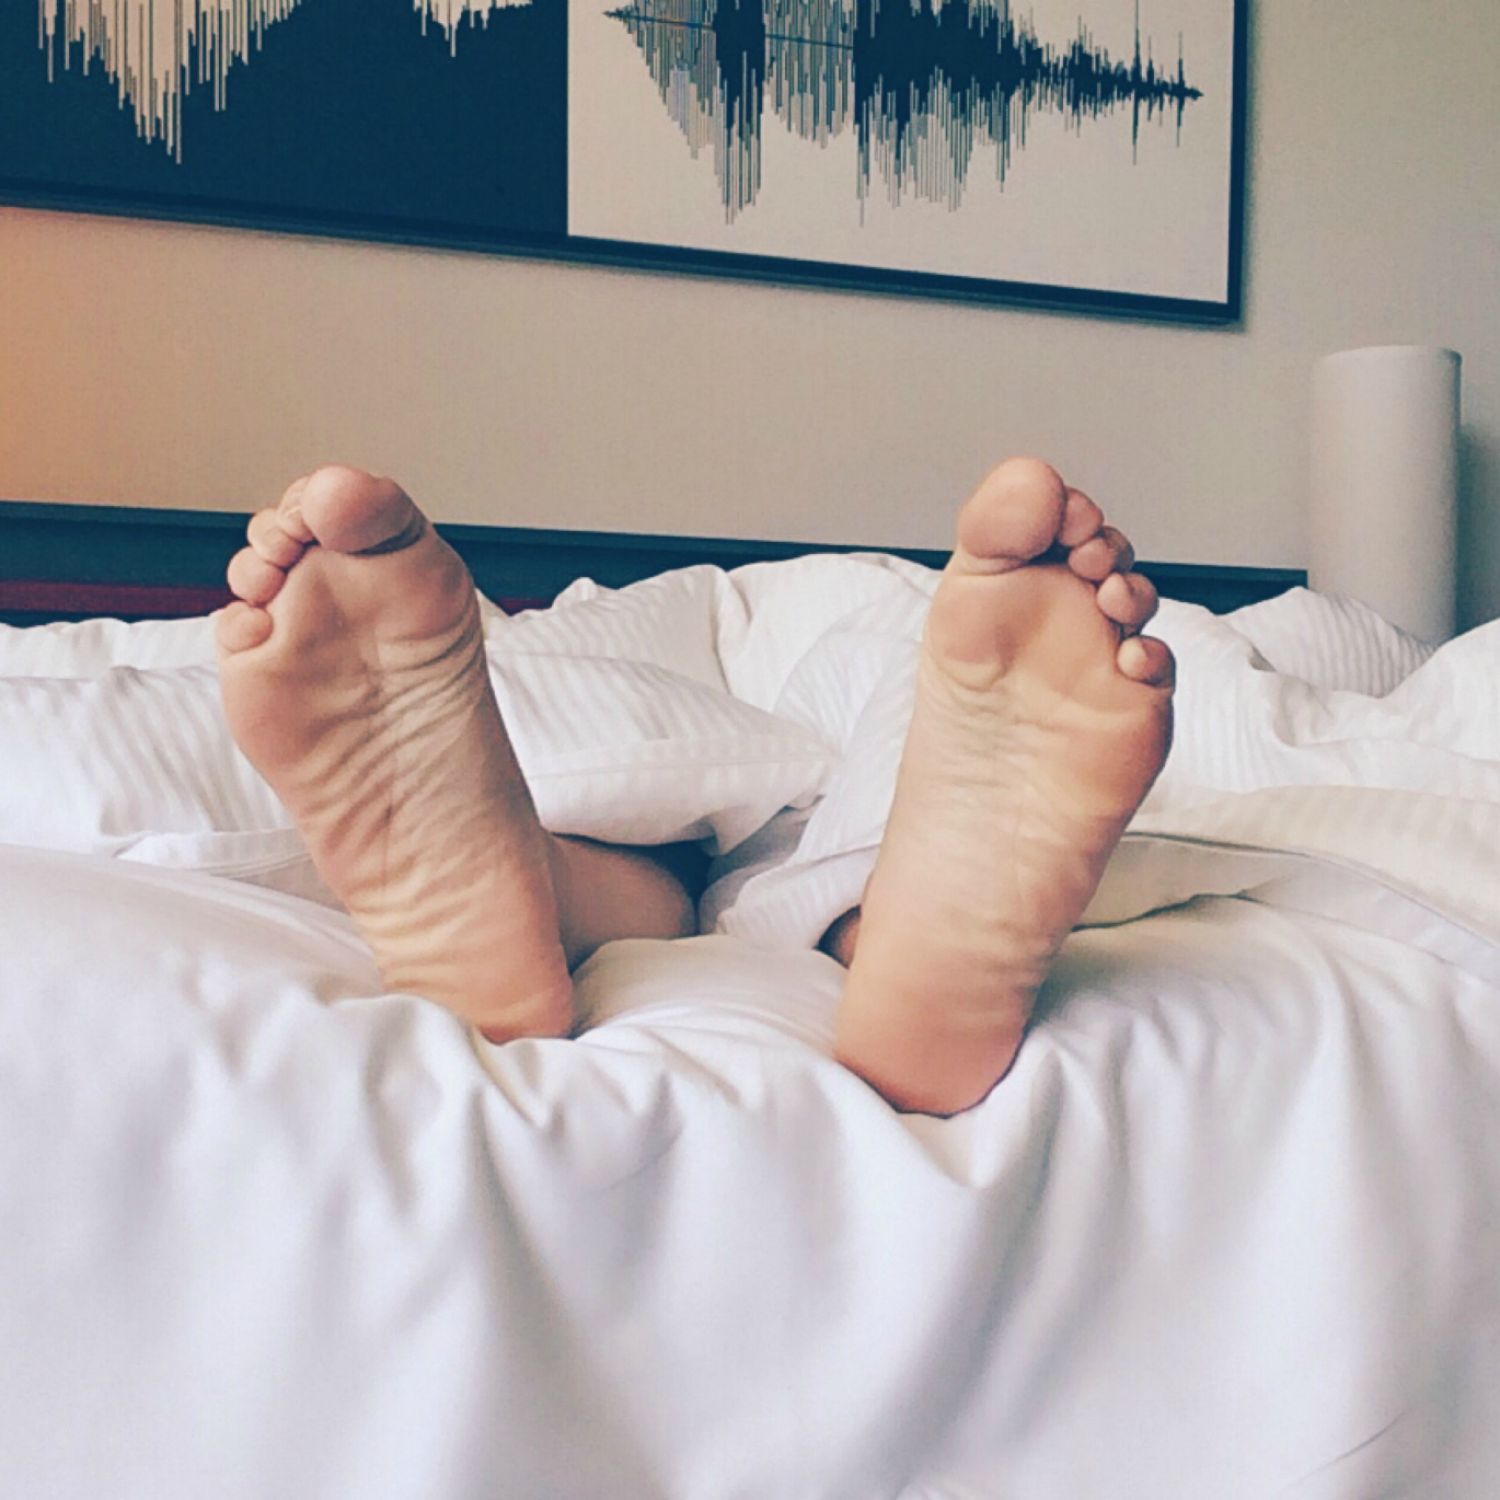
(79, 561)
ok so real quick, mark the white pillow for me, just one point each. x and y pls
(615, 703)
(88, 648)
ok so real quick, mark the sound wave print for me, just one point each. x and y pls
(450, 14)
(155, 50)
(927, 83)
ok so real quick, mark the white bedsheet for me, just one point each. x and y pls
(1231, 1227)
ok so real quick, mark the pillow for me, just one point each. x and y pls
(623, 751)
(87, 648)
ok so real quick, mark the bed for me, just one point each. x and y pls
(1230, 1227)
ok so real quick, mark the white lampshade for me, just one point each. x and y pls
(1384, 498)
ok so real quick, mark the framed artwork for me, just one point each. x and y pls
(1080, 153)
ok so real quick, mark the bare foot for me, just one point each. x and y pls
(354, 678)
(1038, 731)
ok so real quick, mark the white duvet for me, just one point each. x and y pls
(1230, 1227)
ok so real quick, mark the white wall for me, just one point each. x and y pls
(166, 365)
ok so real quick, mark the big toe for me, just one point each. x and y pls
(348, 510)
(1014, 516)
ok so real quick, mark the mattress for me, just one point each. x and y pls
(1228, 1228)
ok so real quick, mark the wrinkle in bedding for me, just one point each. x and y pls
(1228, 1227)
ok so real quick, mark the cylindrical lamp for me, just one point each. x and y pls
(1384, 503)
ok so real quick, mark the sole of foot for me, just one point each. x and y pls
(1042, 719)
(354, 678)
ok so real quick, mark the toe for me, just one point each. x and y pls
(347, 510)
(1082, 520)
(252, 578)
(1108, 552)
(1129, 599)
(240, 627)
(289, 511)
(1011, 518)
(1145, 659)
(270, 540)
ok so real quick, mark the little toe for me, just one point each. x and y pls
(1145, 659)
(1011, 518)
(1129, 599)
(1082, 520)
(271, 540)
(252, 578)
(241, 627)
(1108, 552)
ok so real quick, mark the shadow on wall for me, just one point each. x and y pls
(1478, 528)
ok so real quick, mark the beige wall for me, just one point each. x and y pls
(166, 365)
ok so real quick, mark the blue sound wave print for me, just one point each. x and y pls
(153, 51)
(392, 116)
(925, 87)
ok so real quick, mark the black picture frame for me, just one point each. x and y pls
(43, 186)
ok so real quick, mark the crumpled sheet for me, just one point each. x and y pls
(1229, 1227)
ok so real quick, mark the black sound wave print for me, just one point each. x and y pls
(926, 84)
